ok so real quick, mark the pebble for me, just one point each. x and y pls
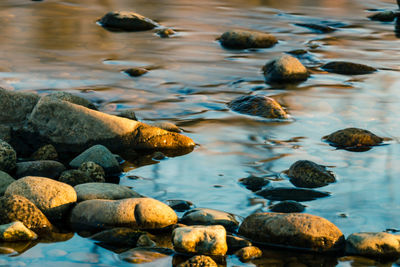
(316, 27)
(135, 72)
(248, 253)
(179, 205)
(348, 68)
(353, 138)
(165, 32)
(285, 69)
(119, 236)
(258, 105)
(241, 39)
(287, 206)
(75, 177)
(46, 152)
(145, 255)
(254, 183)
(235, 243)
(127, 21)
(199, 261)
(16, 231)
(95, 171)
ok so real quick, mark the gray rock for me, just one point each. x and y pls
(347, 68)
(139, 213)
(46, 152)
(127, 21)
(16, 231)
(5, 181)
(386, 16)
(201, 216)
(122, 237)
(129, 114)
(208, 240)
(53, 198)
(8, 157)
(135, 72)
(377, 245)
(199, 261)
(241, 39)
(108, 191)
(287, 206)
(72, 99)
(305, 173)
(95, 171)
(353, 138)
(16, 106)
(285, 69)
(179, 205)
(235, 243)
(248, 253)
(75, 177)
(296, 230)
(43, 168)
(254, 183)
(145, 255)
(258, 106)
(288, 193)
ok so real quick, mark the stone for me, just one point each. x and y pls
(201, 216)
(46, 152)
(136, 72)
(353, 138)
(288, 193)
(16, 106)
(127, 21)
(386, 16)
(43, 168)
(145, 241)
(18, 208)
(137, 213)
(347, 68)
(305, 173)
(95, 171)
(5, 132)
(242, 39)
(248, 253)
(145, 255)
(72, 99)
(157, 155)
(53, 198)
(235, 243)
(287, 206)
(8, 157)
(168, 126)
(199, 261)
(75, 177)
(207, 240)
(129, 114)
(374, 244)
(295, 230)
(285, 69)
(5, 181)
(108, 191)
(165, 32)
(258, 105)
(120, 236)
(16, 231)
(179, 205)
(317, 27)
(254, 183)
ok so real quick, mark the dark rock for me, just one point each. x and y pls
(16, 106)
(377, 245)
(235, 243)
(123, 237)
(165, 32)
(43, 168)
(47, 152)
(248, 253)
(298, 52)
(287, 206)
(347, 68)
(287, 193)
(258, 106)
(135, 72)
(158, 155)
(5, 181)
(109, 191)
(145, 241)
(385, 16)
(199, 261)
(201, 216)
(305, 173)
(8, 157)
(5, 132)
(317, 27)
(74, 99)
(95, 171)
(285, 69)
(75, 177)
(127, 21)
(129, 114)
(254, 183)
(352, 138)
(240, 39)
(179, 205)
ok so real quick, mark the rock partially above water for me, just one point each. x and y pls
(199, 261)
(353, 138)
(109, 191)
(285, 69)
(241, 39)
(8, 157)
(317, 27)
(165, 32)
(16, 231)
(258, 106)
(347, 68)
(386, 16)
(295, 230)
(119, 236)
(287, 206)
(305, 173)
(254, 183)
(377, 245)
(136, 72)
(179, 205)
(235, 243)
(287, 193)
(248, 253)
(127, 21)
(43, 168)
(201, 216)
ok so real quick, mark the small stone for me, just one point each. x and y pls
(136, 72)
(158, 155)
(254, 183)
(145, 241)
(317, 27)
(4, 250)
(74, 99)
(241, 39)
(179, 205)
(201, 216)
(287, 193)
(285, 69)
(165, 32)
(42, 168)
(129, 114)
(248, 253)
(235, 243)
(168, 126)
(47, 152)
(123, 237)
(109, 191)
(305, 173)
(95, 171)
(16, 231)
(386, 16)
(5, 181)
(298, 52)
(145, 255)
(75, 177)
(258, 105)
(287, 206)
(8, 157)
(376, 245)
(353, 138)
(347, 68)
(127, 21)
(199, 261)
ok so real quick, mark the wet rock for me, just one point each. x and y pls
(108, 191)
(258, 106)
(305, 173)
(53, 198)
(135, 72)
(386, 16)
(285, 69)
(123, 237)
(16, 106)
(95, 171)
(18, 208)
(208, 240)
(352, 138)
(5, 181)
(165, 32)
(158, 155)
(235, 243)
(377, 245)
(168, 126)
(240, 39)
(201, 216)
(72, 99)
(47, 152)
(145, 241)
(141, 213)
(287, 206)
(248, 253)
(298, 52)
(144, 255)
(254, 183)
(16, 231)
(347, 68)
(199, 261)
(317, 27)
(179, 205)
(75, 177)
(127, 21)
(8, 157)
(43, 168)
(129, 114)
(287, 193)
(297, 230)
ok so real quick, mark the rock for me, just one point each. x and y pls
(285, 69)
(254, 183)
(72, 99)
(376, 245)
(168, 126)
(127, 21)
(199, 261)
(18, 208)
(305, 173)
(386, 16)
(241, 39)
(287, 206)
(135, 72)
(287, 193)
(316, 27)
(295, 230)
(47, 152)
(5, 181)
(352, 138)
(208, 240)
(145, 255)
(8, 157)
(16, 231)
(347, 68)
(129, 114)
(145, 241)
(165, 32)
(109, 191)
(248, 253)
(201, 216)
(95, 171)
(158, 155)
(53, 198)
(179, 205)
(235, 243)
(141, 213)
(16, 106)
(258, 105)
(122, 237)
(5, 132)
(43, 168)
(75, 177)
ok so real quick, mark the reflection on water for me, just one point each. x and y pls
(56, 45)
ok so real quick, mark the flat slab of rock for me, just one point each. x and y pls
(139, 213)
(5, 181)
(241, 39)
(207, 240)
(258, 105)
(295, 230)
(288, 193)
(201, 216)
(42, 168)
(8, 157)
(352, 138)
(16, 106)
(16, 231)
(305, 173)
(370, 244)
(127, 21)
(285, 69)
(348, 68)
(109, 191)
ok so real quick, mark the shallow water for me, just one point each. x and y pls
(56, 45)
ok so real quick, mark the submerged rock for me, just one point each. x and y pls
(5, 181)
(347, 68)
(201, 216)
(287, 193)
(127, 21)
(258, 106)
(254, 183)
(135, 72)
(43, 168)
(199, 261)
(294, 230)
(248, 253)
(386, 16)
(165, 32)
(123, 237)
(16, 231)
(8, 157)
(352, 138)
(285, 69)
(109, 191)
(145, 255)
(179, 205)
(317, 27)
(305, 173)
(46, 152)
(377, 245)
(241, 39)
(16, 106)
(287, 206)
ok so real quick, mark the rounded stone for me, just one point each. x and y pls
(165, 32)
(145, 255)
(254, 183)
(248, 253)
(136, 72)
(129, 114)
(199, 261)
(88, 191)
(305, 173)
(43, 168)
(119, 236)
(75, 177)
(285, 69)
(352, 138)
(127, 21)
(347, 68)
(386, 16)
(95, 171)
(258, 105)
(179, 205)
(241, 39)
(235, 243)
(287, 206)
(370, 244)
(46, 152)
(16, 231)
(202, 216)
(8, 157)
(5, 181)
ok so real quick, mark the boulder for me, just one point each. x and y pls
(46, 152)
(288, 193)
(376, 245)
(122, 237)
(201, 216)
(53, 198)
(199, 261)
(127, 21)
(295, 230)
(108, 191)
(248, 253)
(16, 231)
(5, 181)
(75, 177)
(285, 69)
(5, 132)
(347, 68)
(305, 173)
(42, 168)
(95, 171)
(208, 240)
(352, 138)
(258, 105)
(16, 106)
(242, 39)
(287, 206)
(8, 157)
